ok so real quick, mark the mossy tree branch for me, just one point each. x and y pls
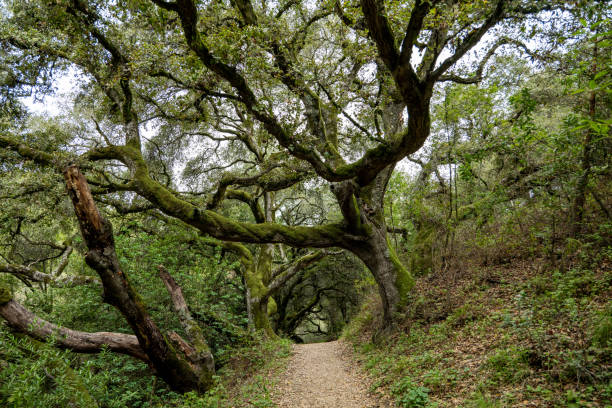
(208, 222)
(364, 169)
(286, 272)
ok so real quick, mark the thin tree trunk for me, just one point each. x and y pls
(577, 210)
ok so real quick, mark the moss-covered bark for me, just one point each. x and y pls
(218, 226)
(261, 319)
(404, 281)
(393, 279)
(257, 276)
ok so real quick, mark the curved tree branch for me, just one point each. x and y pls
(286, 272)
(470, 41)
(21, 319)
(208, 222)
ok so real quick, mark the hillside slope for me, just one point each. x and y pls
(523, 334)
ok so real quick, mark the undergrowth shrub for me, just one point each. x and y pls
(410, 395)
(509, 365)
(35, 374)
(602, 332)
(464, 314)
(439, 379)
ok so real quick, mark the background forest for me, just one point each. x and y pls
(188, 187)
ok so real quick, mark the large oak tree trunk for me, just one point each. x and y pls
(174, 360)
(394, 281)
(363, 207)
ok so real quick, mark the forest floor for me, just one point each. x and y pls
(323, 375)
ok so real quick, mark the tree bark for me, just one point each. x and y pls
(167, 353)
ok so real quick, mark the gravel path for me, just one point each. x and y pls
(320, 375)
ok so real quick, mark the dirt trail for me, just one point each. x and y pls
(320, 375)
